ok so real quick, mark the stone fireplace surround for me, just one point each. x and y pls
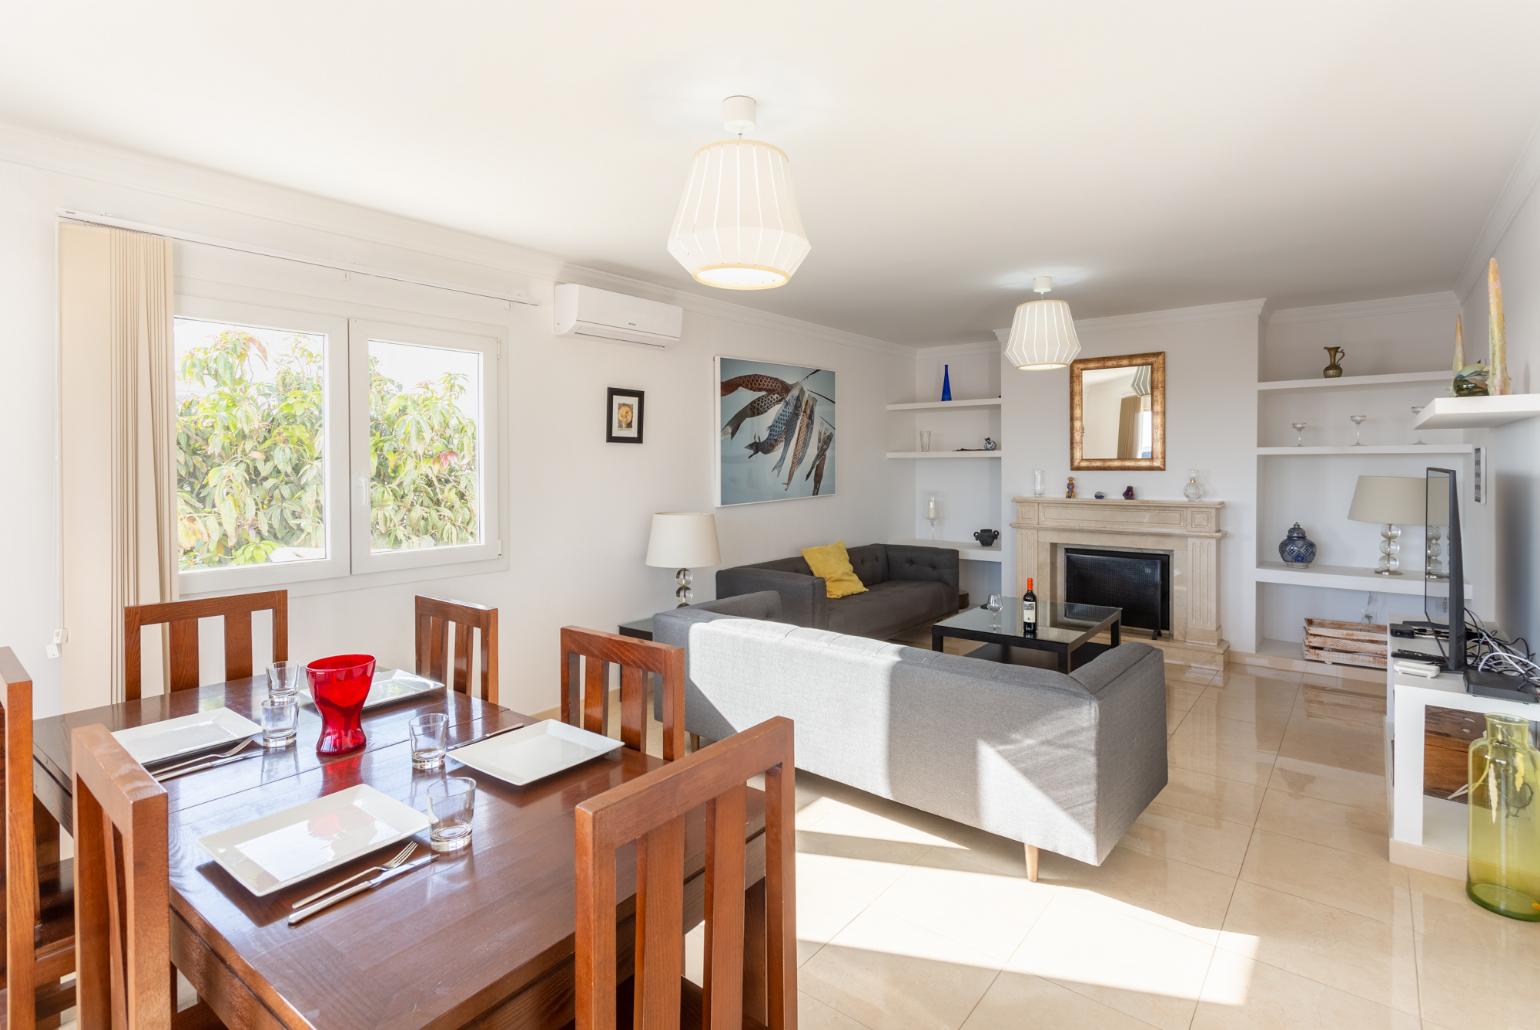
(1187, 530)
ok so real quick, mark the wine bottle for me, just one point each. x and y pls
(1029, 612)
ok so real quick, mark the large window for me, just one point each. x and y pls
(279, 412)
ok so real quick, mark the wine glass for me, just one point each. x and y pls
(1416, 411)
(1358, 428)
(1299, 433)
(994, 605)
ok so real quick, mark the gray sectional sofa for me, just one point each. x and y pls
(1060, 762)
(906, 587)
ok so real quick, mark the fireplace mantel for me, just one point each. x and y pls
(1188, 530)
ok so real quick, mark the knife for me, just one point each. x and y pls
(489, 736)
(174, 773)
(367, 885)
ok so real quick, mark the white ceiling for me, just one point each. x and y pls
(1151, 155)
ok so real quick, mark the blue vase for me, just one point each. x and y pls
(946, 382)
(1296, 548)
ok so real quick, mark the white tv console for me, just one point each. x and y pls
(1427, 833)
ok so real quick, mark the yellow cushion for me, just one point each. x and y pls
(832, 564)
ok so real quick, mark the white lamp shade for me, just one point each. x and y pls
(1400, 500)
(738, 227)
(683, 540)
(1042, 336)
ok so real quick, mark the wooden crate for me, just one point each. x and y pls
(1346, 643)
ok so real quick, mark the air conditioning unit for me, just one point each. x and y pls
(585, 311)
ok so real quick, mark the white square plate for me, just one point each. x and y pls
(281, 849)
(534, 752)
(157, 741)
(389, 686)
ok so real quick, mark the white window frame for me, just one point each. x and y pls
(365, 559)
(335, 445)
(345, 399)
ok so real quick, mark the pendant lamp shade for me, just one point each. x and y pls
(738, 227)
(1042, 336)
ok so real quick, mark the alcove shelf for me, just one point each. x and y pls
(1357, 382)
(978, 402)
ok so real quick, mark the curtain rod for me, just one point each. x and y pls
(241, 248)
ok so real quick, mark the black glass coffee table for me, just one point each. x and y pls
(1062, 629)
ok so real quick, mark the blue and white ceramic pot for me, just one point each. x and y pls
(1296, 548)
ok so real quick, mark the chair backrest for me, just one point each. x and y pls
(651, 811)
(122, 887)
(21, 897)
(435, 617)
(637, 659)
(236, 611)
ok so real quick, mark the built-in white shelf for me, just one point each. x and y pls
(1400, 448)
(944, 454)
(1350, 382)
(967, 550)
(1343, 577)
(1478, 412)
(978, 402)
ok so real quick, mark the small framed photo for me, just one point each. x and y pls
(623, 415)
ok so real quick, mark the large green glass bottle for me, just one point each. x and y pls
(1503, 865)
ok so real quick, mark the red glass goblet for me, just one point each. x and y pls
(339, 685)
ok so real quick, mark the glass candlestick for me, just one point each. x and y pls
(1299, 433)
(1358, 428)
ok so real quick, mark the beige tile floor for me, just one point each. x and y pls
(1254, 892)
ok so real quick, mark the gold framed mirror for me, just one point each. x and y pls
(1117, 413)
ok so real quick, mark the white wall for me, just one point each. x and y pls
(1514, 472)
(1211, 363)
(578, 507)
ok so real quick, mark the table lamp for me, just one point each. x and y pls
(683, 540)
(1392, 502)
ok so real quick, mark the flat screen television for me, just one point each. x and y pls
(1443, 578)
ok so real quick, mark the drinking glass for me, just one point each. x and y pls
(1358, 428)
(925, 439)
(994, 605)
(430, 736)
(280, 720)
(283, 677)
(451, 804)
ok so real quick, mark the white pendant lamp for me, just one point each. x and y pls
(1042, 333)
(738, 227)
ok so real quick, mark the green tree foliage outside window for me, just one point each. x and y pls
(249, 440)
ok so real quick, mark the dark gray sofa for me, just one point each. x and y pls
(907, 586)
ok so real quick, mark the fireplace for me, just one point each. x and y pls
(1188, 531)
(1139, 582)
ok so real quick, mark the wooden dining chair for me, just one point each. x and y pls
(183, 616)
(436, 618)
(650, 811)
(39, 903)
(122, 887)
(639, 661)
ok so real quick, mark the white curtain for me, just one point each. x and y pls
(117, 473)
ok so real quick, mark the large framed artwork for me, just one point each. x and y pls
(776, 439)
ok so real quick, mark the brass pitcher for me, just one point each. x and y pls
(1334, 370)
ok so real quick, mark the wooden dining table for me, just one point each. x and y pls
(482, 938)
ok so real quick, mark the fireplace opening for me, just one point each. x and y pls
(1139, 582)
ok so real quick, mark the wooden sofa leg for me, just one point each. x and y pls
(1032, 862)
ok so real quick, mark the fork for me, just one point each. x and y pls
(396, 860)
(237, 749)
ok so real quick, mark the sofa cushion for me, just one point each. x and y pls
(832, 564)
(890, 607)
(870, 562)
